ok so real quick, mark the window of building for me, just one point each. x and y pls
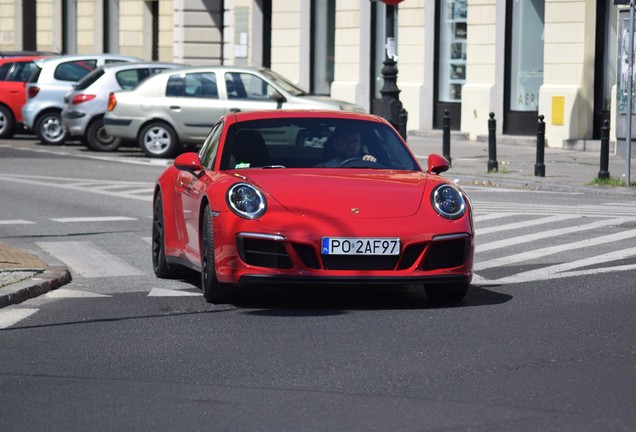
(323, 30)
(452, 50)
(526, 54)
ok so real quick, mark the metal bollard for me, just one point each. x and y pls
(446, 128)
(403, 118)
(539, 166)
(604, 170)
(492, 144)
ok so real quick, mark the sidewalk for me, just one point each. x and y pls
(565, 170)
(23, 275)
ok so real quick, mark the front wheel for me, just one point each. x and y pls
(98, 140)
(446, 293)
(49, 128)
(213, 290)
(158, 140)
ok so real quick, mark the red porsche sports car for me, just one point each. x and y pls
(279, 197)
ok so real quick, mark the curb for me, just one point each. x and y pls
(50, 279)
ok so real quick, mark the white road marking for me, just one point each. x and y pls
(162, 292)
(491, 216)
(480, 248)
(543, 252)
(82, 185)
(89, 260)
(526, 224)
(561, 270)
(10, 316)
(15, 222)
(66, 294)
(94, 219)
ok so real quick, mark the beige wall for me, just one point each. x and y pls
(569, 69)
(9, 14)
(286, 38)
(480, 94)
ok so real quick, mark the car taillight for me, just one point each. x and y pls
(79, 98)
(112, 101)
(33, 91)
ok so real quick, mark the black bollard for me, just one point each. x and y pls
(539, 167)
(604, 171)
(446, 128)
(492, 144)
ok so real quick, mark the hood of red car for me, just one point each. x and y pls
(343, 193)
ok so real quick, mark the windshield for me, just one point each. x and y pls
(283, 83)
(315, 143)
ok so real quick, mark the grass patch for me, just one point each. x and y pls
(612, 181)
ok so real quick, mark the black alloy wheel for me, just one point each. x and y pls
(98, 139)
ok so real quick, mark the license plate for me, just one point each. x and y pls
(360, 246)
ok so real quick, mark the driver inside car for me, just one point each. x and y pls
(348, 145)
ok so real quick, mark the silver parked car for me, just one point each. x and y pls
(45, 90)
(177, 108)
(85, 105)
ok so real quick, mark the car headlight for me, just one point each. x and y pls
(448, 201)
(246, 201)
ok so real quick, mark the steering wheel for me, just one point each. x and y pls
(359, 162)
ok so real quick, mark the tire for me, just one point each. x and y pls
(157, 139)
(213, 290)
(7, 122)
(49, 128)
(159, 263)
(446, 293)
(98, 140)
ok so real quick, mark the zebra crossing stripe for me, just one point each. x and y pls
(526, 224)
(543, 252)
(89, 260)
(162, 292)
(480, 248)
(563, 270)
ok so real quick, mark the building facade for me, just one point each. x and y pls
(517, 59)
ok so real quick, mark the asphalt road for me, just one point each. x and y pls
(544, 341)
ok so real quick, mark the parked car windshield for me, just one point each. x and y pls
(309, 143)
(283, 83)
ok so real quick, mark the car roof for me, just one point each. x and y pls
(300, 113)
(135, 65)
(218, 68)
(65, 58)
(20, 59)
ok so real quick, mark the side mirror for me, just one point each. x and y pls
(189, 162)
(437, 164)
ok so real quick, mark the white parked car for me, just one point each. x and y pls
(177, 108)
(85, 105)
(45, 90)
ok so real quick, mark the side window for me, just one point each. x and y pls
(201, 84)
(114, 61)
(211, 145)
(74, 70)
(128, 79)
(247, 86)
(23, 72)
(4, 70)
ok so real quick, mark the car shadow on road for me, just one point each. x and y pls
(312, 301)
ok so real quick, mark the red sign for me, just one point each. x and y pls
(391, 2)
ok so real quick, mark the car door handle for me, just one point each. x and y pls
(175, 107)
